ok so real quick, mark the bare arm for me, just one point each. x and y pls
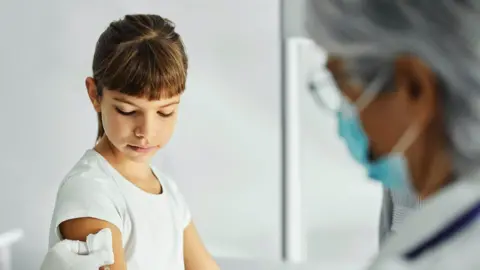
(80, 228)
(195, 254)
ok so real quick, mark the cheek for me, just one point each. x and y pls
(165, 131)
(384, 129)
(116, 126)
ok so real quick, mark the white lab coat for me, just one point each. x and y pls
(450, 219)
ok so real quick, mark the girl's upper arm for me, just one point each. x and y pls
(80, 228)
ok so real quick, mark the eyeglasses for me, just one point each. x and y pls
(324, 91)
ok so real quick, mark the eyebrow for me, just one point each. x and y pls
(133, 104)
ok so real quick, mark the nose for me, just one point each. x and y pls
(146, 128)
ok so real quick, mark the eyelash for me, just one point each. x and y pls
(133, 112)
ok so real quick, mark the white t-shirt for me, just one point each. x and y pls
(152, 225)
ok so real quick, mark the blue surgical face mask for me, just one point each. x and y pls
(391, 170)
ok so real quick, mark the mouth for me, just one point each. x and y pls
(142, 149)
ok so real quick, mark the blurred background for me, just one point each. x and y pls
(267, 180)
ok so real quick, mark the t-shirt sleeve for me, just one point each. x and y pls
(81, 197)
(184, 210)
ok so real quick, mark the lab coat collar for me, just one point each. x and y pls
(434, 214)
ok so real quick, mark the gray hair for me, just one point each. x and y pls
(443, 33)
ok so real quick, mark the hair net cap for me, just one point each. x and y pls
(445, 34)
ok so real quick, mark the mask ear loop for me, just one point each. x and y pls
(350, 108)
(406, 140)
(371, 92)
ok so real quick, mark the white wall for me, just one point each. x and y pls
(293, 14)
(225, 154)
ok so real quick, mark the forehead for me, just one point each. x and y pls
(140, 101)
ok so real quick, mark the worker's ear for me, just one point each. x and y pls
(417, 89)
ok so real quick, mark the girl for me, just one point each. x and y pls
(139, 74)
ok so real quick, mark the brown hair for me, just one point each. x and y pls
(140, 55)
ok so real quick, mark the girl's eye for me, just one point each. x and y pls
(133, 112)
(166, 114)
(123, 112)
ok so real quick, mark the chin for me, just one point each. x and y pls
(140, 159)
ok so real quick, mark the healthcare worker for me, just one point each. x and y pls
(408, 86)
(96, 252)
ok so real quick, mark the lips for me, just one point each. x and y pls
(142, 149)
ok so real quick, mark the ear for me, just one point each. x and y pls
(91, 86)
(417, 85)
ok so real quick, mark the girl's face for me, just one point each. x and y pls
(136, 127)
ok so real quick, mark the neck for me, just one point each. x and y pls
(118, 160)
(432, 169)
